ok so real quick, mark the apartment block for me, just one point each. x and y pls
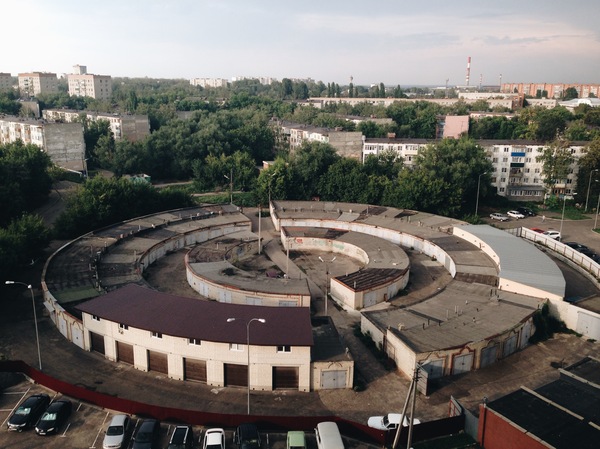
(6, 82)
(511, 102)
(346, 143)
(131, 127)
(551, 90)
(63, 142)
(35, 83)
(88, 85)
(209, 82)
(516, 172)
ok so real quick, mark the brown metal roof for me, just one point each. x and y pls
(143, 308)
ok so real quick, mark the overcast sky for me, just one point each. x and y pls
(402, 42)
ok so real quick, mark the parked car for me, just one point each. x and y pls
(54, 417)
(389, 421)
(577, 246)
(246, 436)
(328, 436)
(214, 439)
(525, 211)
(116, 433)
(183, 438)
(499, 216)
(515, 214)
(553, 235)
(541, 231)
(27, 414)
(147, 435)
(295, 440)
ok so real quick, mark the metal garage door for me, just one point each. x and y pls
(488, 356)
(124, 352)
(588, 325)
(236, 375)
(510, 346)
(525, 334)
(157, 361)
(333, 379)
(194, 370)
(370, 299)
(285, 377)
(97, 342)
(434, 368)
(462, 363)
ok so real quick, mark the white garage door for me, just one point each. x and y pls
(588, 325)
(333, 379)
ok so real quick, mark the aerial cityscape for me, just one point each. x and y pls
(323, 226)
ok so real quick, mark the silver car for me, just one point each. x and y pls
(499, 216)
(116, 432)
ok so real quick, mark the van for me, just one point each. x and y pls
(295, 440)
(328, 436)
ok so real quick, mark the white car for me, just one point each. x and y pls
(214, 439)
(515, 214)
(116, 432)
(499, 216)
(389, 421)
(553, 235)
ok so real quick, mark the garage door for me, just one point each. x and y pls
(462, 363)
(194, 370)
(157, 361)
(333, 379)
(236, 375)
(285, 377)
(97, 342)
(124, 352)
(488, 355)
(509, 346)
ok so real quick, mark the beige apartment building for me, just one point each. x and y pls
(6, 82)
(131, 127)
(83, 84)
(209, 82)
(35, 83)
(63, 142)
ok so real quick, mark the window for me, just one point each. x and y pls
(501, 189)
(504, 159)
(284, 348)
(95, 318)
(537, 170)
(503, 169)
(495, 160)
(502, 179)
(236, 347)
(156, 335)
(526, 170)
(194, 341)
(123, 327)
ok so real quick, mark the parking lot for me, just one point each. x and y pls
(87, 424)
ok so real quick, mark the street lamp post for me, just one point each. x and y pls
(230, 178)
(260, 320)
(562, 218)
(37, 335)
(596, 219)
(326, 262)
(478, 185)
(587, 198)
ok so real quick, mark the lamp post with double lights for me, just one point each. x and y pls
(478, 185)
(587, 198)
(37, 335)
(562, 217)
(326, 262)
(260, 320)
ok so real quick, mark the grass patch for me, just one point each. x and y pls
(459, 441)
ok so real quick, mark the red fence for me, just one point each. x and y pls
(423, 431)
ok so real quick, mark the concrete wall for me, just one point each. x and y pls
(64, 143)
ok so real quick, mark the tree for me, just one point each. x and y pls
(286, 88)
(556, 159)
(588, 164)
(570, 93)
(381, 90)
(444, 178)
(309, 163)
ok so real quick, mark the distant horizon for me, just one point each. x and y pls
(405, 43)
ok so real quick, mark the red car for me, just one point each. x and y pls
(541, 231)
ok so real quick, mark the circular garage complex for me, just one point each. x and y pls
(244, 327)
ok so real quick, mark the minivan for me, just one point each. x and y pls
(328, 436)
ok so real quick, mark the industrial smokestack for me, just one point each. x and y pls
(468, 69)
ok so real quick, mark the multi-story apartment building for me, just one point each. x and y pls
(131, 127)
(346, 143)
(517, 173)
(63, 142)
(6, 82)
(511, 103)
(209, 82)
(83, 84)
(551, 90)
(35, 83)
